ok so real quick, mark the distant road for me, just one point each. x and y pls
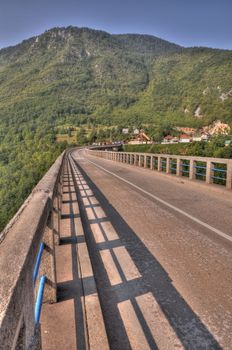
(179, 239)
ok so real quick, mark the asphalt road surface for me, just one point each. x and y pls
(161, 250)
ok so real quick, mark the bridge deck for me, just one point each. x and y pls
(163, 278)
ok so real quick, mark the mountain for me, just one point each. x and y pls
(72, 70)
(76, 75)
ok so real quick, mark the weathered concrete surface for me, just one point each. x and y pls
(18, 249)
(18, 252)
(183, 294)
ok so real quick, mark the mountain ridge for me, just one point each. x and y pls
(126, 34)
(74, 28)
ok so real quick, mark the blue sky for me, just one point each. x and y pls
(186, 22)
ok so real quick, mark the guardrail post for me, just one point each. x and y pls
(151, 162)
(178, 167)
(159, 164)
(209, 166)
(168, 165)
(192, 170)
(128, 158)
(56, 219)
(229, 175)
(145, 162)
(30, 334)
(48, 263)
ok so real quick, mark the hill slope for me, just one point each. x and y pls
(68, 75)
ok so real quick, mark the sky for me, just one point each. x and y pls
(185, 22)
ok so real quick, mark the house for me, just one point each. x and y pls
(184, 138)
(140, 139)
(204, 137)
(170, 139)
(125, 131)
(136, 131)
(197, 139)
(228, 143)
(167, 139)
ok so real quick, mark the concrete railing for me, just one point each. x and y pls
(209, 170)
(37, 221)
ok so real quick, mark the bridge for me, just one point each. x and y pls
(117, 250)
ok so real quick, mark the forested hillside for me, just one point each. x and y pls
(78, 75)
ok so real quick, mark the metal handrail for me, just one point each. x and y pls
(39, 299)
(38, 261)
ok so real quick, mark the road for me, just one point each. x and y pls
(161, 252)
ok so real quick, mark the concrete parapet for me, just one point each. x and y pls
(20, 241)
(185, 165)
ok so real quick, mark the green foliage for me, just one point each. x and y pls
(215, 148)
(72, 76)
(26, 152)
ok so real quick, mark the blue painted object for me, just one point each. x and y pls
(221, 170)
(218, 178)
(39, 299)
(200, 167)
(38, 260)
(200, 174)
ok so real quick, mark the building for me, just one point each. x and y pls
(228, 143)
(204, 136)
(184, 138)
(197, 139)
(125, 131)
(140, 139)
(136, 131)
(170, 139)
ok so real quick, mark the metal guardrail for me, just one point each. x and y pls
(40, 293)
(27, 251)
(210, 170)
(39, 299)
(38, 261)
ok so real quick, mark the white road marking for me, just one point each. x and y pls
(180, 211)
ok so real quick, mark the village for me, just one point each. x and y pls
(186, 135)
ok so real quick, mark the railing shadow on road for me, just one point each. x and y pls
(73, 289)
(153, 280)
